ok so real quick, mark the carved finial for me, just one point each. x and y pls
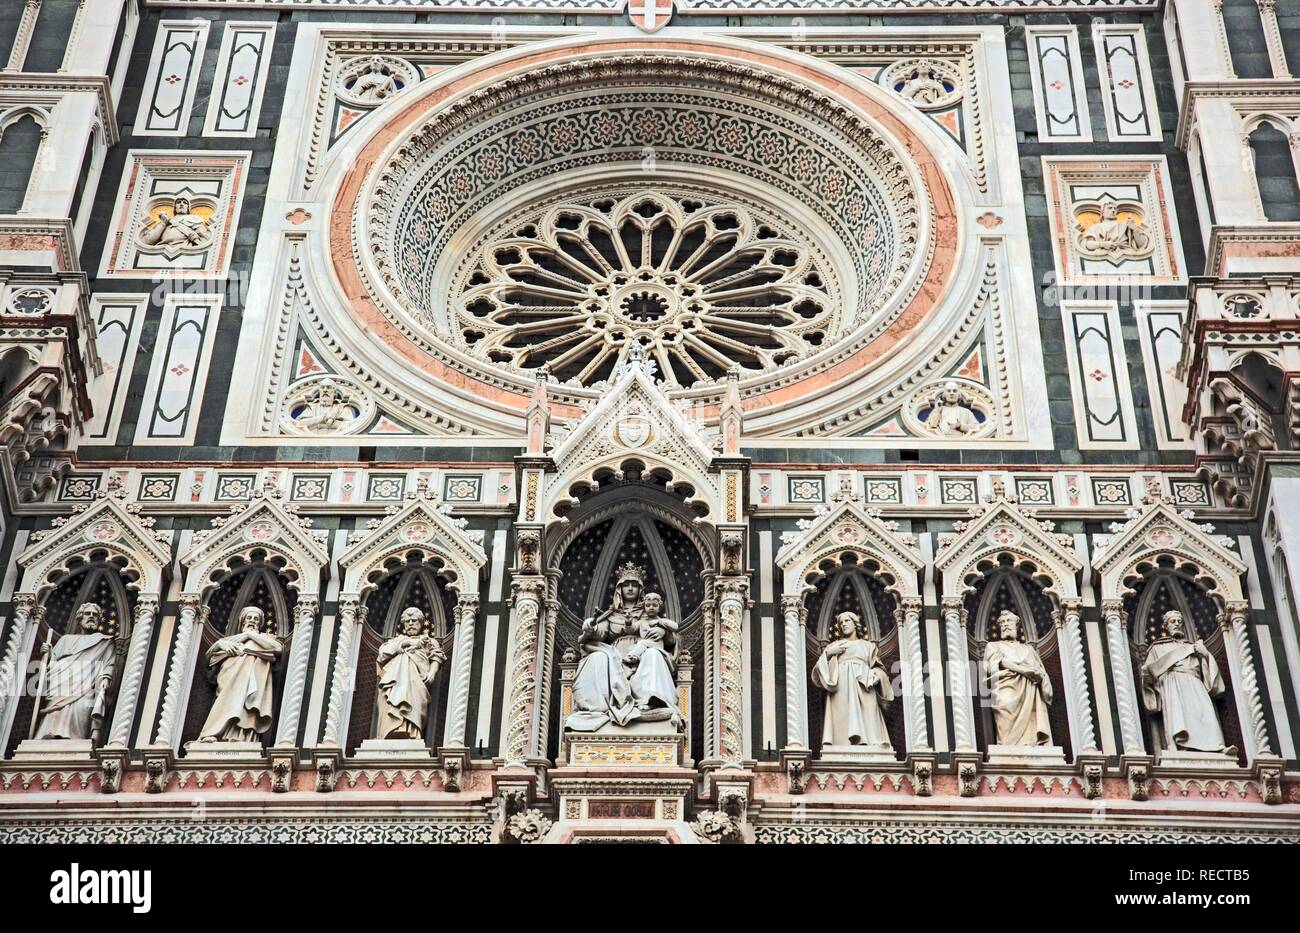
(271, 486)
(1153, 493)
(116, 486)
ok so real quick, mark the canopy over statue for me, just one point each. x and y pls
(626, 671)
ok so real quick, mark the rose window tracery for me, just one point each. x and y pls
(700, 284)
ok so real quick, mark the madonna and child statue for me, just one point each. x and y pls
(625, 672)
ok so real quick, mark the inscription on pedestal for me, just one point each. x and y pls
(621, 810)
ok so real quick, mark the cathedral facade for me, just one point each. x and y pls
(586, 420)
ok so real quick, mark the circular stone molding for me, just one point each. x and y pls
(549, 210)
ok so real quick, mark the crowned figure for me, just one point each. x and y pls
(626, 670)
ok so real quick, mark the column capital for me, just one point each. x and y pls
(190, 601)
(792, 603)
(1112, 607)
(146, 602)
(1233, 610)
(24, 602)
(304, 610)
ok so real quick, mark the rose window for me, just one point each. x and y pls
(700, 286)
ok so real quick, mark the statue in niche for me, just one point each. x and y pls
(408, 664)
(625, 674)
(858, 690)
(1112, 238)
(181, 229)
(374, 83)
(78, 671)
(242, 710)
(324, 408)
(1179, 680)
(1021, 689)
(951, 415)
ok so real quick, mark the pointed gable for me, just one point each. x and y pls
(109, 523)
(420, 523)
(634, 421)
(847, 525)
(266, 523)
(1000, 525)
(1158, 528)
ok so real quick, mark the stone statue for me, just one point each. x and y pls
(325, 408)
(1112, 238)
(949, 417)
(78, 674)
(242, 710)
(924, 86)
(374, 82)
(1179, 678)
(408, 664)
(625, 674)
(857, 688)
(1020, 687)
(181, 229)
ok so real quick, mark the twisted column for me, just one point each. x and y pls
(796, 680)
(709, 610)
(295, 677)
(137, 654)
(1070, 636)
(1233, 623)
(351, 614)
(526, 594)
(462, 658)
(1121, 666)
(733, 596)
(959, 688)
(186, 633)
(914, 669)
(26, 614)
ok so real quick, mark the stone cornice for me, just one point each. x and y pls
(56, 85)
(1286, 90)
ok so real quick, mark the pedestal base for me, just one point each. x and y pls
(857, 755)
(640, 745)
(51, 750)
(223, 753)
(1190, 759)
(1034, 755)
(404, 750)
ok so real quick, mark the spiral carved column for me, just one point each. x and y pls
(137, 655)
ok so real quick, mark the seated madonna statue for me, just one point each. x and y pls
(625, 674)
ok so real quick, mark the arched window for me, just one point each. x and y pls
(1247, 46)
(258, 582)
(1007, 586)
(1275, 175)
(19, 145)
(1160, 589)
(410, 583)
(858, 587)
(98, 580)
